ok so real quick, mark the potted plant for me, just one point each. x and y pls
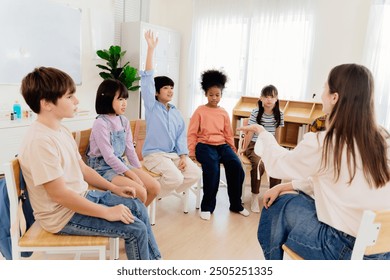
(126, 73)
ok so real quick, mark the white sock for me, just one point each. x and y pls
(244, 212)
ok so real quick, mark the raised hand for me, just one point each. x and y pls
(151, 40)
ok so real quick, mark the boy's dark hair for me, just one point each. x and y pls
(106, 94)
(162, 81)
(272, 91)
(213, 78)
(46, 83)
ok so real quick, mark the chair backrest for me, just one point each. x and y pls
(82, 140)
(374, 234)
(12, 178)
(138, 128)
(37, 239)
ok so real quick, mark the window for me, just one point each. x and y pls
(377, 57)
(255, 44)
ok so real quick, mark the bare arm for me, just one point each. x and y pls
(94, 179)
(58, 192)
(130, 174)
(252, 128)
(247, 139)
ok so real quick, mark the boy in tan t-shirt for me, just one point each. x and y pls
(57, 178)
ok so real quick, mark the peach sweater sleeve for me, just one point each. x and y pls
(228, 132)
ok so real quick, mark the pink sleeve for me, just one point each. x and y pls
(101, 144)
(130, 151)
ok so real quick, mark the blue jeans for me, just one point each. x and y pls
(292, 220)
(139, 239)
(211, 157)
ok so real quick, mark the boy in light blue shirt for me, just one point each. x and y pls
(165, 150)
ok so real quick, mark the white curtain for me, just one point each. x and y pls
(377, 57)
(256, 42)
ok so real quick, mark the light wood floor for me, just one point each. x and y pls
(187, 237)
(180, 236)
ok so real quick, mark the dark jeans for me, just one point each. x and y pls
(211, 157)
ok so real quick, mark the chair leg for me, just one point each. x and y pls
(186, 197)
(152, 212)
(114, 248)
(77, 255)
(198, 193)
(102, 253)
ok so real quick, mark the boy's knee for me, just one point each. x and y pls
(194, 175)
(137, 229)
(169, 184)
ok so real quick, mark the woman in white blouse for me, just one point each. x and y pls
(337, 174)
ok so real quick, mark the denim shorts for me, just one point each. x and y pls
(104, 170)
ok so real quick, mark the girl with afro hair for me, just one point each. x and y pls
(211, 143)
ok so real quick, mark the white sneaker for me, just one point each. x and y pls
(244, 212)
(205, 215)
(255, 203)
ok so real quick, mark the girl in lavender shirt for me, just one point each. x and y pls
(111, 141)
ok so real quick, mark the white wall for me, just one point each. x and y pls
(339, 38)
(340, 32)
(90, 77)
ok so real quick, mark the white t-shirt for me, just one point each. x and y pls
(46, 155)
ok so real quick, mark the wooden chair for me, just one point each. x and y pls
(373, 236)
(138, 128)
(37, 239)
(82, 140)
(246, 164)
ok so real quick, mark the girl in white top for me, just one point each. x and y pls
(345, 168)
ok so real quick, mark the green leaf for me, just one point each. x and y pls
(134, 88)
(104, 54)
(105, 75)
(126, 74)
(103, 67)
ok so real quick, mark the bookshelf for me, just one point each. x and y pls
(298, 116)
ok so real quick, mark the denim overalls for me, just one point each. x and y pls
(118, 142)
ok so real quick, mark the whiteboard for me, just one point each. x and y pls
(38, 33)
